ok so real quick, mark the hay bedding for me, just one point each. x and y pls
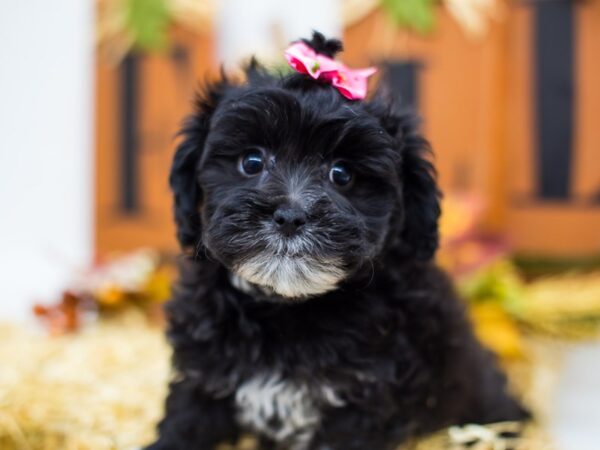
(100, 389)
(103, 388)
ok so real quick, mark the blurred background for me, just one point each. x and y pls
(92, 94)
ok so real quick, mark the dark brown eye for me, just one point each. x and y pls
(252, 163)
(340, 174)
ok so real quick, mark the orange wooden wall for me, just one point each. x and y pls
(477, 104)
(476, 99)
(550, 227)
(166, 90)
(460, 87)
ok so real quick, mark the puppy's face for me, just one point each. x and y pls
(297, 189)
(294, 188)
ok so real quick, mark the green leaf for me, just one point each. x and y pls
(148, 22)
(418, 15)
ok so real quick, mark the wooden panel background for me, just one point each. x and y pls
(478, 105)
(166, 85)
(477, 99)
(554, 228)
(460, 90)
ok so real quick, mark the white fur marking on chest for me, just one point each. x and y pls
(281, 409)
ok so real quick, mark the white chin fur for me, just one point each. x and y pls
(291, 276)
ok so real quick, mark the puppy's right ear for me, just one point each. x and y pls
(183, 177)
(420, 199)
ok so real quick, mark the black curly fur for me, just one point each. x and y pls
(391, 340)
(320, 44)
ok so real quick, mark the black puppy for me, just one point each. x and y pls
(309, 311)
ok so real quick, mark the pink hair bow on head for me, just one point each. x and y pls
(352, 83)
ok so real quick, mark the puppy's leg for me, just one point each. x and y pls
(492, 402)
(194, 420)
(351, 428)
(265, 443)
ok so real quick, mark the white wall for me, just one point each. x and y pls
(46, 89)
(575, 416)
(264, 27)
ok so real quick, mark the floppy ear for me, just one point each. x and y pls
(420, 207)
(420, 195)
(182, 179)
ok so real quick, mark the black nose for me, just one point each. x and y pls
(289, 218)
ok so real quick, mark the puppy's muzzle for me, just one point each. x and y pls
(289, 219)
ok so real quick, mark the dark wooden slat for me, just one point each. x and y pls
(129, 103)
(402, 77)
(554, 96)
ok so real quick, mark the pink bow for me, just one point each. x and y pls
(352, 83)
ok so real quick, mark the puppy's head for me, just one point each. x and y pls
(294, 188)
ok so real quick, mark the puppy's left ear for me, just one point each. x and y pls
(182, 179)
(420, 197)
